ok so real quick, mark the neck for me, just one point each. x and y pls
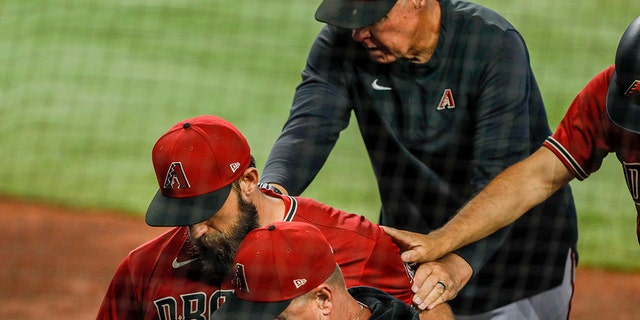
(364, 312)
(270, 209)
(427, 33)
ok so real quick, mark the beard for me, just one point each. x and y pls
(217, 251)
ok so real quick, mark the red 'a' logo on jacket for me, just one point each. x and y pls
(176, 178)
(446, 102)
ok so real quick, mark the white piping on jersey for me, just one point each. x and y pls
(288, 217)
(577, 169)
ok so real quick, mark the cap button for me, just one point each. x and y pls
(271, 228)
(186, 125)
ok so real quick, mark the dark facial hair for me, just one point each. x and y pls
(217, 251)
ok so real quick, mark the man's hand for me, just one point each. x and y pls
(437, 282)
(415, 247)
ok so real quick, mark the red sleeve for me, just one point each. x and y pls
(581, 139)
(119, 301)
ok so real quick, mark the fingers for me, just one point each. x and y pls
(410, 256)
(408, 242)
(429, 296)
(432, 286)
(402, 238)
(442, 298)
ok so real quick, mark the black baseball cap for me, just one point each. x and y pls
(623, 95)
(353, 14)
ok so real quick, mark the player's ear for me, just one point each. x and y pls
(323, 298)
(249, 180)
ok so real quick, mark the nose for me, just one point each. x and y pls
(197, 230)
(360, 34)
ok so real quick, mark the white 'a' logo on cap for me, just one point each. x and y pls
(176, 178)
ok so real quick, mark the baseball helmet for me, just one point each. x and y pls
(623, 95)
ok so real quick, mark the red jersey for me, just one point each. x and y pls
(586, 135)
(161, 280)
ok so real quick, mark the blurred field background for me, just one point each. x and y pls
(87, 86)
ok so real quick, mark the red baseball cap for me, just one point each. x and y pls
(274, 265)
(196, 162)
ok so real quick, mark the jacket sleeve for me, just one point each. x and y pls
(320, 111)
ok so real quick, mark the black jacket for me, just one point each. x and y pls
(436, 134)
(382, 305)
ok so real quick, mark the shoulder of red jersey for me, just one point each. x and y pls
(320, 214)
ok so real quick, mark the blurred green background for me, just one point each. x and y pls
(87, 87)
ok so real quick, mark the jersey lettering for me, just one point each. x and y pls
(176, 178)
(194, 306)
(410, 271)
(219, 297)
(631, 175)
(167, 308)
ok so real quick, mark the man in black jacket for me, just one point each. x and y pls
(445, 99)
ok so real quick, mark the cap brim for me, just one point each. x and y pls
(164, 211)
(621, 110)
(353, 14)
(237, 309)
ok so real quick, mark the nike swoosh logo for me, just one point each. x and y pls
(180, 264)
(377, 86)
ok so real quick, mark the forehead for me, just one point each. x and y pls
(397, 13)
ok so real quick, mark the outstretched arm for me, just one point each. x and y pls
(506, 198)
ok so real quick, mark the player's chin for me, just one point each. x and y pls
(381, 57)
